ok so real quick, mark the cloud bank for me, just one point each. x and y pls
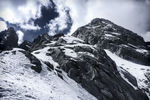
(34, 17)
(131, 14)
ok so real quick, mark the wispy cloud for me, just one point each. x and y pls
(60, 23)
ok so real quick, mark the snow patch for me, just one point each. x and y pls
(142, 51)
(137, 70)
(41, 54)
(109, 35)
(71, 39)
(70, 52)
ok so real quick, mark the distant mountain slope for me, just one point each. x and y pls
(140, 72)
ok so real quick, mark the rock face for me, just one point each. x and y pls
(41, 40)
(26, 45)
(88, 66)
(107, 35)
(8, 39)
(36, 63)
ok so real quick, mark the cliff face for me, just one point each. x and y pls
(77, 67)
(107, 35)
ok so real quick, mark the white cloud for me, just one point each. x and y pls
(3, 26)
(146, 36)
(60, 22)
(29, 27)
(8, 15)
(20, 36)
(30, 10)
(22, 13)
(45, 2)
(78, 12)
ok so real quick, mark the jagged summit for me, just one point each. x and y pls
(98, 21)
(123, 42)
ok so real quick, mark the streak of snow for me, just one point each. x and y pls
(142, 51)
(71, 39)
(52, 42)
(115, 33)
(87, 53)
(80, 44)
(137, 70)
(132, 45)
(109, 35)
(70, 52)
(42, 56)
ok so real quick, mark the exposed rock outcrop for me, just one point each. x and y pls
(90, 67)
(8, 39)
(107, 35)
(36, 62)
(26, 45)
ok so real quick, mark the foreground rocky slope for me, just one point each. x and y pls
(19, 80)
(68, 68)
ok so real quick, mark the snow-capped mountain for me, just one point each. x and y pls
(100, 61)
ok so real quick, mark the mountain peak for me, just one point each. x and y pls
(107, 35)
(98, 21)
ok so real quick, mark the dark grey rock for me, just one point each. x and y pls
(36, 63)
(8, 39)
(26, 45)
(107, 35)
(130, 78)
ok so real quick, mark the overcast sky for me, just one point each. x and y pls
(33, 17)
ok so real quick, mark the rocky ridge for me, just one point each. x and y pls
(107, 35)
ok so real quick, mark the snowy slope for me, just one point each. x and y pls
(138, 71)
(20, 82)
